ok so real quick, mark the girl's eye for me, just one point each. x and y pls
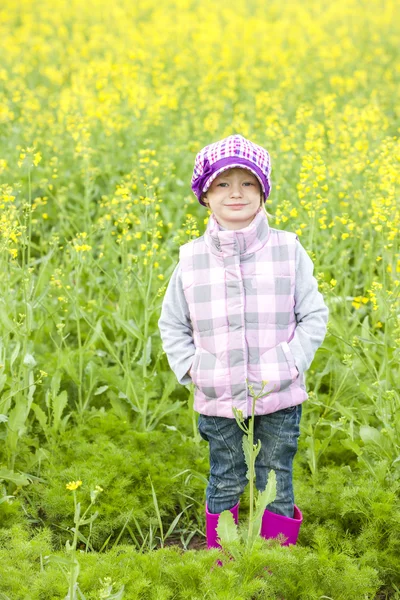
(224, 183)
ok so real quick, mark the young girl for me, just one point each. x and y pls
(242, 307)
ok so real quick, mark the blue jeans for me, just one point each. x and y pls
(278, 432)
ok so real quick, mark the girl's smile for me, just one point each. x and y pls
(236, 206)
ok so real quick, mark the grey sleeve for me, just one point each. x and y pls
(176, 329)
(311, 312)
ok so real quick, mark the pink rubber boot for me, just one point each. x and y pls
(212, 523)
(272, 525)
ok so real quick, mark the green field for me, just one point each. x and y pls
(103, 107)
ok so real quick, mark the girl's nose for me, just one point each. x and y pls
(236, 190)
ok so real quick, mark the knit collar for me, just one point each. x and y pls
(242, 241)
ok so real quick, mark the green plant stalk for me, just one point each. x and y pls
(196, 435)
(75, 540)
(78, 330)
(73, 574)
(25, 275)
(144, 370)
(86, 197)
(30, 215)
(147, 315)
(252, 469)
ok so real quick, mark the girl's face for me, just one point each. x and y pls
(234, 197)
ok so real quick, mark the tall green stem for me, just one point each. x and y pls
(29, 216)
(144, 369)
(78, 330)
(147, 314)
(251, 468)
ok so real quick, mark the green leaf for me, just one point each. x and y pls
(351, 445)
(59, 560)
(29, 360)
(173, 525)
(17, 416)
(14, 354)
(370, 434)
(89, 519)
(40, 415)
(77, 512)
(17, 478)
(55, 383)
(264, 498)
(118, 595)
(6, 499)
(247, 454)
(365, 327)
(3, 379)
(59, 404)
(129, 327)
(31, 391)
(8, 325)
(96, 335)
(227, 528)
(100, 390)
(119, 408)
(256, 451)
(157, 509)
(147, 353)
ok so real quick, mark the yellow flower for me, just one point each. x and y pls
(83, 248)
(333, 282)
(73, 485)
(160, 276)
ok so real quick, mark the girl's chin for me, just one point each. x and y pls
(237, 215)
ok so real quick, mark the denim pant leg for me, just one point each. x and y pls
(278, 432)
(227, 464)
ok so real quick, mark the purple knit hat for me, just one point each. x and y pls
(233, 151)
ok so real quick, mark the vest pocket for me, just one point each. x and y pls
(277, 367)
(208, 374)
(290, 360)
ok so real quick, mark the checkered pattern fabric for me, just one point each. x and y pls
(233, 151)
(239, 286)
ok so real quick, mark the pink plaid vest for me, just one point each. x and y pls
(239, 286)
